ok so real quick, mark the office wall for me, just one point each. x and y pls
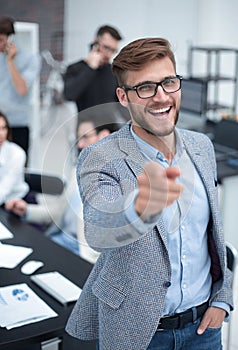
(72, 23)
(200, 22)
(134, 18)
(218, 22)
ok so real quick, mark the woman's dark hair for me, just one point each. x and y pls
(101, 117)
(9, 133)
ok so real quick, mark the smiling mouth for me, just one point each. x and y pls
(160, 112)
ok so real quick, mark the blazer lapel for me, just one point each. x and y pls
(136, 161)
(129, 146)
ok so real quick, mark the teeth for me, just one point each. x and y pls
(162, 110)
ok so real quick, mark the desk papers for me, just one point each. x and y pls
(4, 232)
(58, 286)
(19, 306)
(11, 255)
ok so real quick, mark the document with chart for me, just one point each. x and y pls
(19, 306)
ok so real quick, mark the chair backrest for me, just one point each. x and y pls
(44, 183)
(232, 256)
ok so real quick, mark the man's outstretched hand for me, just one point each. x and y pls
(157, 189)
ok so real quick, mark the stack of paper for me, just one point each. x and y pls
(58, 286)
(19, 306)
(11, 255)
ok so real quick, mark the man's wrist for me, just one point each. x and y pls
(223, 306)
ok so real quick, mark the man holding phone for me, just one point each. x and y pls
(90, 81)
(18, 71)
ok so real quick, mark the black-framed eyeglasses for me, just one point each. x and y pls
(107, 48)
(149, 88)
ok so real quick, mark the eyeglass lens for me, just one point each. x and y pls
(169, 85)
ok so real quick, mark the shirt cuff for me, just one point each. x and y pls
(133, 217)
(223, 306)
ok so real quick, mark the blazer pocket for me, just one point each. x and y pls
(108, 293)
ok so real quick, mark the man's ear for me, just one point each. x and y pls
(122, 96)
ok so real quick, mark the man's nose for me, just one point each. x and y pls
(160, 94)
(80, 144)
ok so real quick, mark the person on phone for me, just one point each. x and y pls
(90, 81)
(150, 200)
(18, 71)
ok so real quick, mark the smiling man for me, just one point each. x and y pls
(151, 209)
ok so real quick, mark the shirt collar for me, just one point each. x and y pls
(152, 152)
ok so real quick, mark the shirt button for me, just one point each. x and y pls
(184, 285)
(167, 284)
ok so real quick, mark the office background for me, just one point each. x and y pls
(66, 27)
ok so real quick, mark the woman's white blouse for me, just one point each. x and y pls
(12, 164)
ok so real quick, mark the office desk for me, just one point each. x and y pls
(224, 170)
(30, 337)
(190, 122)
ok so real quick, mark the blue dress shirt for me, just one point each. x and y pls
(186, 223)
(18, 108)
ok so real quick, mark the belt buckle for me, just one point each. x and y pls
(159, 329)
(162, 329)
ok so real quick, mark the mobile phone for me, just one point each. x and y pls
(95, 43)
(10, 38)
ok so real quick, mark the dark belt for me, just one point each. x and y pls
(181, 319)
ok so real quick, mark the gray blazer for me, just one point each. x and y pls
(123, 298)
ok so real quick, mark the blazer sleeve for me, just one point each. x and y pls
(106, 185)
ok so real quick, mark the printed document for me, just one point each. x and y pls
(19, 306)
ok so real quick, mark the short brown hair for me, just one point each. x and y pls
(7, 26)
(111, 30)
(136, 54)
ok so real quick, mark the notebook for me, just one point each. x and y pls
(58, 286)
(225, 139)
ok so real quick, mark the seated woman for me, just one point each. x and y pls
(12, 164)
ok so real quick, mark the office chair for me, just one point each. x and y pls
(232, 256)
(44, 183)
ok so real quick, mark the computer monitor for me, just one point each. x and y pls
(225, 133)
(194, 96)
